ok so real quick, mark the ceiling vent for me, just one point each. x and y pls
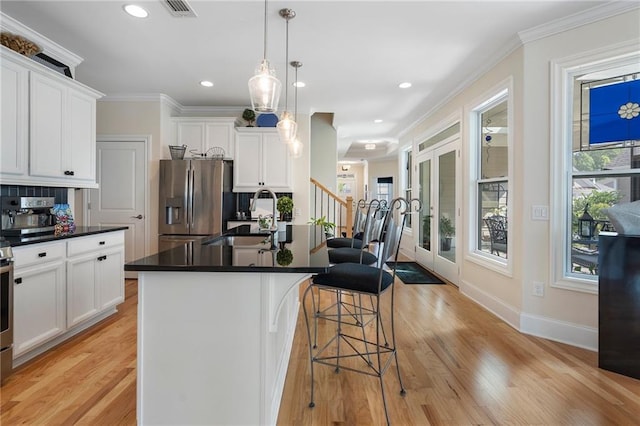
(179, 8)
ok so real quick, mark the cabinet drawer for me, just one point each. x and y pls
(38, 253)
(81, 245)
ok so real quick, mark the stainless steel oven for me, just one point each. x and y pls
(6, 311)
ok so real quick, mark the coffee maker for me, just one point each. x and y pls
(27, 215)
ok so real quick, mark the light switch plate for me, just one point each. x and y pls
(538, 288)
(540, 212)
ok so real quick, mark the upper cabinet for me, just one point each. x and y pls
(261, 161)
(203, 134)
(53, 119)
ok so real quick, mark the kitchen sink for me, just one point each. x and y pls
(241, 240)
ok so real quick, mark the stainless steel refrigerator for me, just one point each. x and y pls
(195, 200)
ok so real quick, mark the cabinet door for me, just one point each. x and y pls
(276, 164)
(48, 108)
(111, 277)
(247, 166)
(80, 154)
(39, 305)
(191, 134)
(82, 295)
(220, 134)
(15, 119)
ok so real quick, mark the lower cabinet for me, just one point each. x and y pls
(63, 287)
(39, 305)
(95, 282)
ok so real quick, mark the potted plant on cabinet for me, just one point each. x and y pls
(249, 116)
(447, 231)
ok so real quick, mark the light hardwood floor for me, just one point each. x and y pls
(461, 365)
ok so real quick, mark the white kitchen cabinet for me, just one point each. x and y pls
(261, 161)
(203, 133)
(64, 287)
(15, 124)
(95, 275)
(50, 138)
(39, 295)
(62, 128)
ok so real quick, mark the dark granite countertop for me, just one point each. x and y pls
(80, 231)
(300, 248)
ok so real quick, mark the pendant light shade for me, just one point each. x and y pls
(264, 87)
(295, 146)
(287, 127)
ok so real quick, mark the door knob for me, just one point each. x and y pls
(137, 217)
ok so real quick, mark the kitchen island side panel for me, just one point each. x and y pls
(213, 348)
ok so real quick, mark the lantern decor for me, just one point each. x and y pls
(586, 224)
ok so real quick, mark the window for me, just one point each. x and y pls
(490, 136)
(605, 162)
(384, 190)
(408, 165)
(592, 168)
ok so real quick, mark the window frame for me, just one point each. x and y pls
(563, 74)
(501, 92)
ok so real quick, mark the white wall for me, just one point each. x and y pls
(563, 315)
(324, 150)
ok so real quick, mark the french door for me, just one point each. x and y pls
(438, 177)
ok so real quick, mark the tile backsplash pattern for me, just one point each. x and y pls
(60, 194)
(243, 200)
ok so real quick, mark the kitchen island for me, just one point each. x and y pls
(216, 324)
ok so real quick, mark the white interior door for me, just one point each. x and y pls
(438, 177)
(120, 198)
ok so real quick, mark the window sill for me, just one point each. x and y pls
(494, 263)
(583, 285)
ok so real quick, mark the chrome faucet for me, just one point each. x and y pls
(274, 224)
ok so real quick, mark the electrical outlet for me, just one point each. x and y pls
(538, 288)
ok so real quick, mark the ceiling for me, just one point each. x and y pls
(354, 53)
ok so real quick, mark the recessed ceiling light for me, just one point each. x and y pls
(377, 121)
(136, 11)
(206, 83)
(404, 85)
(370, 146)
(299, 84)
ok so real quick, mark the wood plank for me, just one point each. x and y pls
(460, 365)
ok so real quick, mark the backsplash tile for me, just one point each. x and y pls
(60, 194)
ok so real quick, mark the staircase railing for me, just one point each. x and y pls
(324, 203)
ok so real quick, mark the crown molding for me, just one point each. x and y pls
(181, 110)
(49, 47)
(586, 17)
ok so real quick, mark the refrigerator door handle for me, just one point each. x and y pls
(187, 199)
(192, 183)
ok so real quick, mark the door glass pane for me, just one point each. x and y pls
(425, 198)
(447, 205)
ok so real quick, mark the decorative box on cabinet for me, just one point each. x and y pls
(201, 134)
(261, 160)
(50, 126)
(619, 304)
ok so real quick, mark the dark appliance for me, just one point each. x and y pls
(195, 200)
(27, 215)
(6, 311)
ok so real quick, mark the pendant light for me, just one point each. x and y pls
(295, 147)
(264, 87)
(287, 127)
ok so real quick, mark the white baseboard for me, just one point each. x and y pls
(548, 328)
(560, 331)
(505, 312)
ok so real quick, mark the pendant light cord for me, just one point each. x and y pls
(265, 31)
(286, 67)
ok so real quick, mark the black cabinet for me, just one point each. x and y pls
(619, 304)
